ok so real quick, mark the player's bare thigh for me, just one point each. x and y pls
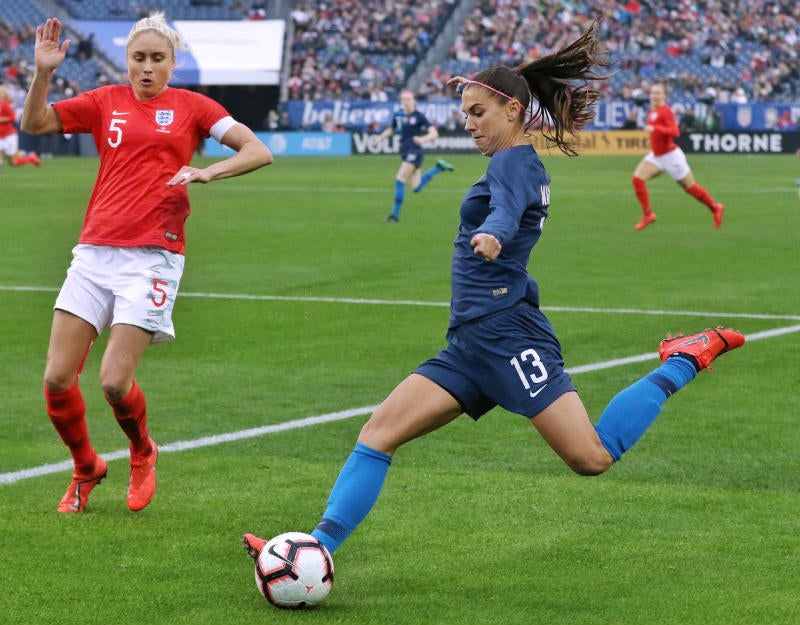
(415, 407)
(565, 426)
(405, 172)
(126, 346)
(70, 340)
(687, 181)
(646, 170)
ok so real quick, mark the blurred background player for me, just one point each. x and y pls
(129, 260)
(415, 131)
(9, 138)
(665, 155)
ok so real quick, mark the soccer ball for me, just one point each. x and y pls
(294, 570)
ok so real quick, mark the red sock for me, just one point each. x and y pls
(67, 413)
(700, 194)
(642, 195)
(131, 414)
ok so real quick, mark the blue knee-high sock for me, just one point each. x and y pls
(427, 177)
(355, 492)
(399, 196)
(633, 410)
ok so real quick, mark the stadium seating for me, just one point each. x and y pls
(680, 38)
(175, 9)
(343, 49)
(18, 13)
(362, 49)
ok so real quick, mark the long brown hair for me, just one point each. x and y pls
(559, 83)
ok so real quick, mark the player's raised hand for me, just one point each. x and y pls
(48, 53)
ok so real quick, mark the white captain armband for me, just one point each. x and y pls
(219, 129)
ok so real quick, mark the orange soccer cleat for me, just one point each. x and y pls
(77, 495)
(702, 348)
(716, 211)
(142, 485)
(648, 218)
(253, 545)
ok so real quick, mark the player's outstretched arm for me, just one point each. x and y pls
(48, 54)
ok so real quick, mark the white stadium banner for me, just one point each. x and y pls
(235, 53)
(219, 52)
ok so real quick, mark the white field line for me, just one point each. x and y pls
(387, 302)
(218, 439)
(209, 441)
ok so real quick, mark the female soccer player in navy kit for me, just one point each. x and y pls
(501, 348)
(665, 155)
(130, 255)
(415, 131)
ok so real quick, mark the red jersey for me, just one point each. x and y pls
(7, 127)
(141, 146)
(665, 130)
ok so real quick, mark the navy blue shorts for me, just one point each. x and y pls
(414, 157)
(511, 359)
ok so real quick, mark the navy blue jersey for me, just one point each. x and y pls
(510, 202)
(408, 126)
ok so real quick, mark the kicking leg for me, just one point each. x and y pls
(417, 406)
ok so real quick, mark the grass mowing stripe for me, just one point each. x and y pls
(698, 526)
(218, 439)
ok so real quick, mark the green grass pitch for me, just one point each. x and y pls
(299, 301)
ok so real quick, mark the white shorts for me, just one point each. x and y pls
(132, 285)
(674, 163)
(10, 145)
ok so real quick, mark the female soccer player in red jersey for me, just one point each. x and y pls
(665, 155)
(9, 138)
(130, 255)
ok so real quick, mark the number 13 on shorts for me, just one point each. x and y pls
(530, 368)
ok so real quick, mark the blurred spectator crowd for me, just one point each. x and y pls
(360, 50)
(720, 50)
(706, 50)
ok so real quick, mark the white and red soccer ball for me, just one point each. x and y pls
(294, 570)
